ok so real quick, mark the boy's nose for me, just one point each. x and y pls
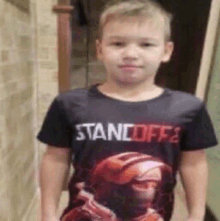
(131, 52)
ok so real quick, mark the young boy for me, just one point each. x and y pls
(128, 136)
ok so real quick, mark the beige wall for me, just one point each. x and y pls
(47, 55)
(28, 83)
(17, 101)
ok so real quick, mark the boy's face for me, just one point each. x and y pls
(132, 51)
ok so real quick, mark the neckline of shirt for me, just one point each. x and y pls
(96, 91)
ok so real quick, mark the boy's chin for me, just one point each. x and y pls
(134, 80)
(128, 82)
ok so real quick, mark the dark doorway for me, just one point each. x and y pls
(189, 29)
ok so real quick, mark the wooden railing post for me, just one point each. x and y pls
(63, 9)
(208, 51)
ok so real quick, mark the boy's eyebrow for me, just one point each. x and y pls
(121, 37)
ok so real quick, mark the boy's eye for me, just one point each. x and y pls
(118, 43)
(147, 44)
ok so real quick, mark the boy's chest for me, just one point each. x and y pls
(104, 130)
(144, 124)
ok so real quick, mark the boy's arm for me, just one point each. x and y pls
(194, 175)
(54, 169)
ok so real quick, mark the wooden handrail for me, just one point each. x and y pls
(207, 56)
(63, 9)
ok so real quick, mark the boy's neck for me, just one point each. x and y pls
(134, 93)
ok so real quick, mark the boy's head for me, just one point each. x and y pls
(133, 40)
(142, 9)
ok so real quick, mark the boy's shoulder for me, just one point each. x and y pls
(184, 98)
(73, 98)
(76, 94)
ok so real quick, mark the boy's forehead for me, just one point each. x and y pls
(133, 28)
(129, 36)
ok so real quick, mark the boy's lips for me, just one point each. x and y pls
(130, 67)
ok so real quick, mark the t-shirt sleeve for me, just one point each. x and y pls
(200, 133)
(56, 129)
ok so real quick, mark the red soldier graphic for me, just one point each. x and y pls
(124, 189)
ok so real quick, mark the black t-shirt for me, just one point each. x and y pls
(125, 154)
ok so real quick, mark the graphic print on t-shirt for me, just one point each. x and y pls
(120, 132)
(124, 187)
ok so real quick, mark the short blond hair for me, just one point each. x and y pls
(144, 9)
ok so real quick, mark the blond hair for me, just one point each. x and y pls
(144, 9)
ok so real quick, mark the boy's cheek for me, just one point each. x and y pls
(111, 56)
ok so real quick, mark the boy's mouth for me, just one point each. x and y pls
(129, 67)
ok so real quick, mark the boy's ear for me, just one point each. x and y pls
(98, 50)
(168, 50)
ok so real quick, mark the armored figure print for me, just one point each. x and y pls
(124, 189)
